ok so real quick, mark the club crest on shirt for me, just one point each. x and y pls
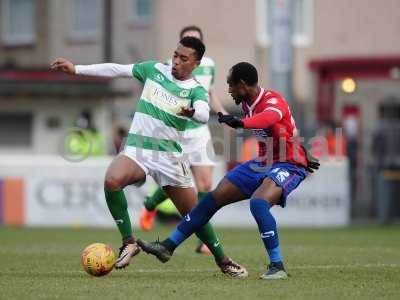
(184, 93)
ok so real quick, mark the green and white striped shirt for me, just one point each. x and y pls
(204, 74)
(156, 124)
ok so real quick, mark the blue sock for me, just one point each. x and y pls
(196, 219)
(267, 227)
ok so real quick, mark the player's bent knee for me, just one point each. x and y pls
(217, 194)
(203, 182)
(204, 186)
(268, 191)
(112, 183)
(203, 178)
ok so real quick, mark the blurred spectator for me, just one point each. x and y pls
(352, 132)
(249, 149)
(379, 145)
(329, 142)
(85, 139)
(385, 151)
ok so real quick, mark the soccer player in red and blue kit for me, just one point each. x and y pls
(281, 166)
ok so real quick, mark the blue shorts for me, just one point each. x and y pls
(250, 175)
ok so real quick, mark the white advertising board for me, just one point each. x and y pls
(61, 193)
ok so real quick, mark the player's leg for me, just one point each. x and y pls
(266, 196)
(155, 199)
(202, 175)
(149, 212)
(279, 181)
(185, 200)
(122, 172)
(225, 193)
(237, 185)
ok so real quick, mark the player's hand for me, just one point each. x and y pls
(61, 64)
(186, 112)
(313, 165)
(230, 120)
(312, 162)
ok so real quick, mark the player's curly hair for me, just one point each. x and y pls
(194, 43)
(243, 71)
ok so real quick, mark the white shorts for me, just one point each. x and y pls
(166, 169)
(199, 149)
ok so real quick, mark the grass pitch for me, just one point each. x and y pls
(355, 263)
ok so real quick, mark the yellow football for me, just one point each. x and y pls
(98, 259)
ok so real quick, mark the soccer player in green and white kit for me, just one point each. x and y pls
(170, 103)
(197, 143)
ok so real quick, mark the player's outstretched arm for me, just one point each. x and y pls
(230, 120)
(260, 121)
(63, 65)
(215, 103)
(105, 70)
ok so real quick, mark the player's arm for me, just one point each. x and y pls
(105, 70)
(273, 113)
(200, 112)
(215, 104)
(262, 120)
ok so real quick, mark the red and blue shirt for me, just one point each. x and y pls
(271, 121)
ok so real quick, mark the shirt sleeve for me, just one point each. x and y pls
(105, 70)
(262, 120)
(276, 104)
(142, 70)
(200, 104)
(199, 94)
(274, 110)
(201, 111)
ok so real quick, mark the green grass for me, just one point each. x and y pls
(355, 263)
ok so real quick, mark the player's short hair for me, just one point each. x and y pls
(194, 43)
(243, 71)
(191, 28)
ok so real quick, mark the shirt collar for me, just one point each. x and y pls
(254, 104)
